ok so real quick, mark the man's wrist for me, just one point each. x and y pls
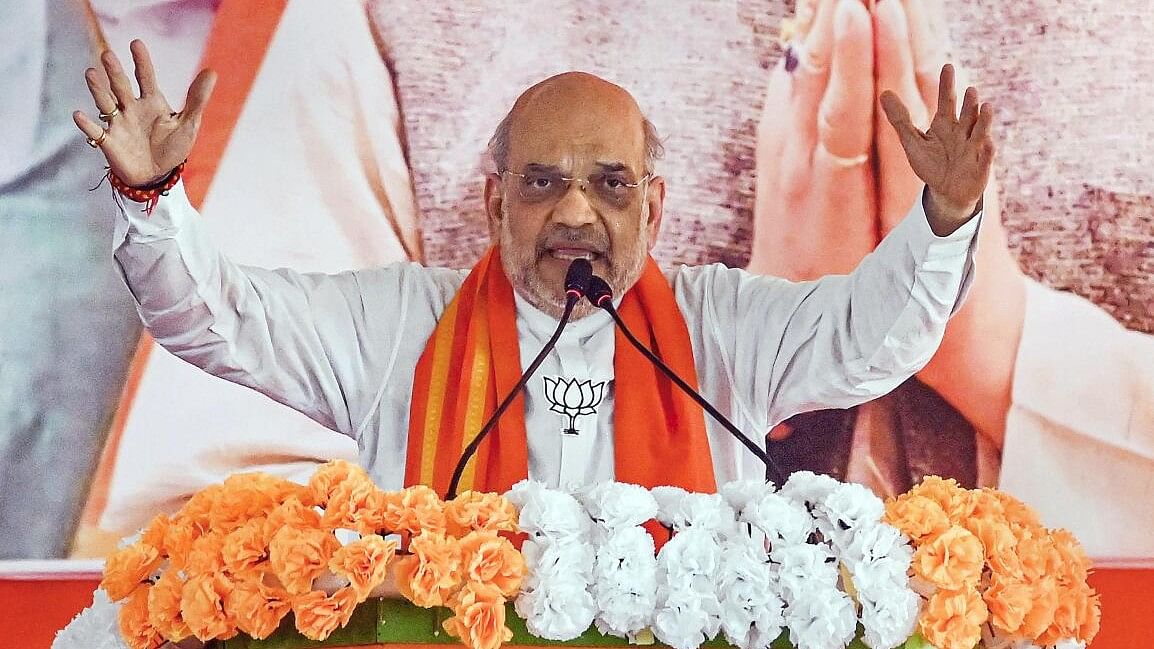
(944, 219)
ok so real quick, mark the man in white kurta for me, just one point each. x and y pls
(342, 348)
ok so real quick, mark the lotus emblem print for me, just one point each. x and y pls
(573, 398)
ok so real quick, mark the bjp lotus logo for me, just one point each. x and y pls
(573, 398)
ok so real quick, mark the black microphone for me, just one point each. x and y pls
(576, 283)
(601, 295)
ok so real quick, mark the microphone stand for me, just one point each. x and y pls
(601, 295)
(576, 281)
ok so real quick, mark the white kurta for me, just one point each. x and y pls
(341, 348)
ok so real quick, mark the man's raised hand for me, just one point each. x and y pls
(953, 157)
(143, 139)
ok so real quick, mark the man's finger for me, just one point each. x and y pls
(899, 118)
(87, 126)
(145, 73)
(198, 95)
(983, 124)
(969, 113)
(102, 95)
(845, 118)
(947, 98)
(117, 80)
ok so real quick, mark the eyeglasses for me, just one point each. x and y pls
(615, 189)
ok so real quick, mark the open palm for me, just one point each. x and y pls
(953, 157)
(145, 139)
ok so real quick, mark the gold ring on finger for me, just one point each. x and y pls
(94, 143)
(107, 117)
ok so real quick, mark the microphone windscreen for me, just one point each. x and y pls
(599, 290)
(577, 277)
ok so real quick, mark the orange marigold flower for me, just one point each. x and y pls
(487, 558)
(355, 504)
(207, 554)
(1074, 564)
(1075, 605)
(330, 475)
(318, 615)
(179, 536)
(135, 628)
(292, 513)
(257, 608)
(1017, 513)
(164, 607)
(246, 547)
(298, 556)
(202, 601)
(999, 544)
(432, 573)
(1038, 555)
(479, 617)
(1009, 600)
(1045, 605)
(198, 508)
(953, 619)
(918, 517)
(952, 560)
(365, 563)
(128, 568)
(948, 494)
(475, 510)
(154, 532)
(417, 509)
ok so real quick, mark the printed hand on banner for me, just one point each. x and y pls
(816, 209)
(144, 139)
(789, 227)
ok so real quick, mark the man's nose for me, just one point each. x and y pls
(574, 208)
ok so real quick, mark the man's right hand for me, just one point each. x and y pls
(144, 139)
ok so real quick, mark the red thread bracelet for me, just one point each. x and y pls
(150, 194)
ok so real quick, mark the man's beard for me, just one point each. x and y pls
(521, 265)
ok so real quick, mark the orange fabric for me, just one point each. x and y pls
(474, 356)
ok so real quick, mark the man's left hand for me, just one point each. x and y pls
(953, 157)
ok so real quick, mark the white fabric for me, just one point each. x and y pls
(338, 182)
(1080, 436)
(342, 348)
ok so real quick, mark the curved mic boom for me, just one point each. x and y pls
(576, 284)
(601, 295)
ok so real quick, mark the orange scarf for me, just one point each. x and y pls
(473, 358)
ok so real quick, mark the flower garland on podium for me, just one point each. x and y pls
(819, 563)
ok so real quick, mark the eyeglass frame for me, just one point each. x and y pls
(584, 182)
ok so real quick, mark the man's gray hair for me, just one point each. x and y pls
(499, 144)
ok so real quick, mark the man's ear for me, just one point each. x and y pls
(655, 196)
(493, 205)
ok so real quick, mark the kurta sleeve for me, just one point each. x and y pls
(791, 347)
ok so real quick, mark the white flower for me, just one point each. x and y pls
(96, 627)
(692, 553)
(549, 562)
(625, 582)
(808, 488)
(889, 616)
(685, 619)
(783, 521)
(849, 506)
(804, 568)
(557, 611)
(669, 511)
(878, 556)
(708, 512)
(751, 615)
(618, 504)
(742, 492)
(1070, 644)
(547, 512)
(821, 618)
